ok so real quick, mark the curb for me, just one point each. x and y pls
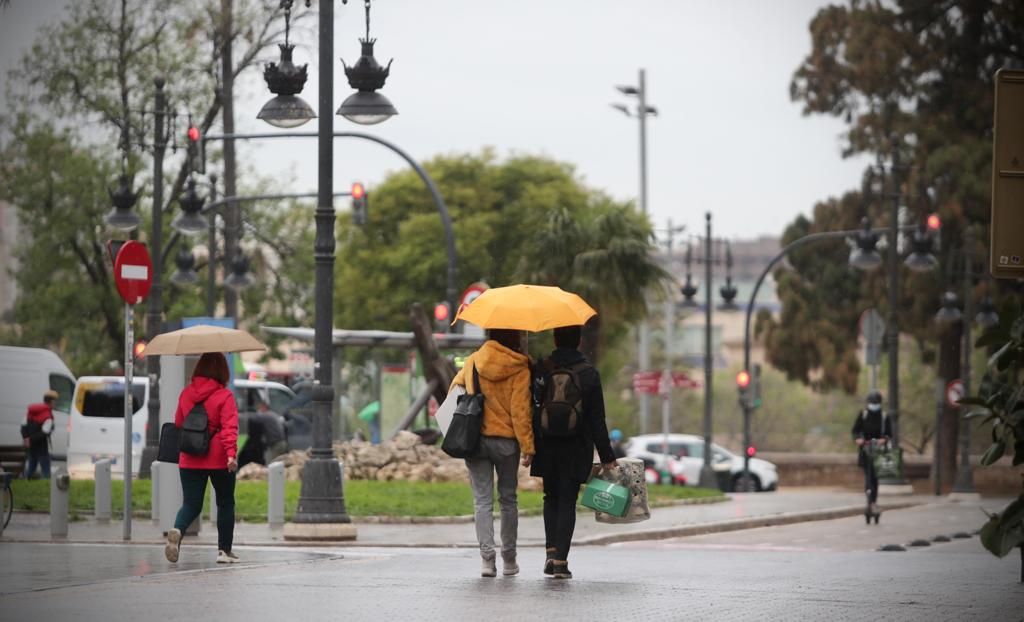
(773, 520)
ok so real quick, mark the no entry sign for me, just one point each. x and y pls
(133, 272)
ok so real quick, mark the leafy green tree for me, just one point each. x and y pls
(79, 108)
(908, 77)
(524, 219)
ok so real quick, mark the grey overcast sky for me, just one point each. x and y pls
(537, 77)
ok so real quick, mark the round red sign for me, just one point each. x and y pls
(133, 272)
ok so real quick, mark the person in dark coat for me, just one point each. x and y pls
(872, 426)
(565, 463)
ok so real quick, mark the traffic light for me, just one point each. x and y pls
(743, 386)
(442, 313)
(196, 149)
(139, 349)
(934, 226)
(751, 451)
(360, 204)
(755, 386)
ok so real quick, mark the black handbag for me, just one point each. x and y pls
(169, 443)
(194, 437)
(463, 435)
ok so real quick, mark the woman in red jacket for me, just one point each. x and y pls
(219, 464)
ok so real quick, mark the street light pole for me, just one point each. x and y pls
(964, 478)
(155, 307)
(707, 474)
(893, 327)
(321, 510)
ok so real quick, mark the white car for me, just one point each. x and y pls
(97, 423)
(689, 450)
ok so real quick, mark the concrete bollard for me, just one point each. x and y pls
(170, 495)
(154, 492)
(60, 484)
(275, 494)
(101, 491)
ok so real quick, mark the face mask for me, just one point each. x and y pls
(874, 407)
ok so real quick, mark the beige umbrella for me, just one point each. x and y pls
(202, 339)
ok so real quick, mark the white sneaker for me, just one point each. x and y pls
(488, 568)
(509, 565)
(173, 546)
(227, 557)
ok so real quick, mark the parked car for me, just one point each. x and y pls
(25, 375)
(689, 450)
(97, 422)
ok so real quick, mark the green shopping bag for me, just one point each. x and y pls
(605, 496)
(888, 462)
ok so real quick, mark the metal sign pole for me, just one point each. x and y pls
(126, 467)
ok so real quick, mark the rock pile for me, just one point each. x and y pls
(403, 458)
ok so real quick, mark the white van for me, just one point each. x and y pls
(25, 375)
(97, 422)
(249, 392)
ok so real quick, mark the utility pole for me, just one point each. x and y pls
(154, 313)
(707, 474)
(232, 213)
(670, 317)
(643, 330)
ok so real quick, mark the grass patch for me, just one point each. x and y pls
(362, 498)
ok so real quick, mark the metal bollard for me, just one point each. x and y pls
(60, 483)
(275, 494)
(101, 491)
(154, 492)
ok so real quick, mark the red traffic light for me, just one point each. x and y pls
(193, 133)
(751, 451)
(743, 379)
(934, 222)
(441, 311)
(358, 191)
(139, 349)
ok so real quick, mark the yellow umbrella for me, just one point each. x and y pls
(526, 307)
(201, 339)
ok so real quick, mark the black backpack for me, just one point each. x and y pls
(195, 434)
(463, 435)
(560, 406)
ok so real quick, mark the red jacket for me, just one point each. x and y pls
(223, 421)
(39, 413)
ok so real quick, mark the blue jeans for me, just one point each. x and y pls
(193, 490)
(38, 455)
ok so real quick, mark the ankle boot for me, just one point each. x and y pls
(549, 561)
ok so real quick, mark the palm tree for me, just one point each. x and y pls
(605, 257)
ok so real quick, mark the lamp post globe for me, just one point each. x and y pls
(366, 106)
(240, 278)
(185, 273)
(949, 313)
(190, 221)
(122, 217)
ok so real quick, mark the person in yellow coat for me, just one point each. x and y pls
(505, 432)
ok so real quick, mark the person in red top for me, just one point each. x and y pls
(36, 434)
(219, 464)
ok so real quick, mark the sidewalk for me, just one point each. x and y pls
(741, 511)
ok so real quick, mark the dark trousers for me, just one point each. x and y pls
(870, 479)
(193, 490)
(38, 454)
(559, 513)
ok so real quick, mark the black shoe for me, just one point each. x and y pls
(561, 569)
(549, 561)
